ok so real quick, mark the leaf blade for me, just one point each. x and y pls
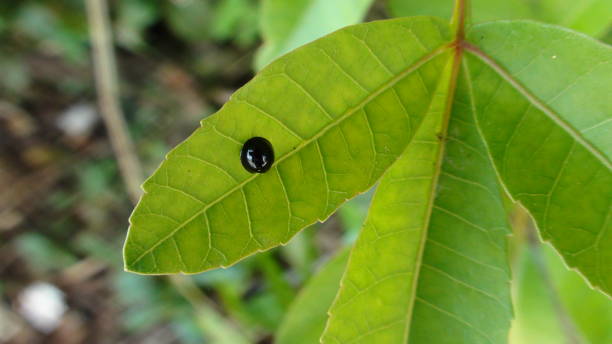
(566, 186)
(306, 317)
(318, 166)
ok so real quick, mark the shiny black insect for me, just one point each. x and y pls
(257, 155)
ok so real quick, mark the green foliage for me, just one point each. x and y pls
(286, 25)
(191, 21)
(197, 21)
(448, 124)
(537, 315)
(311, 143)
(57, 27)
(61, 27)
(410, 276)
(46, 254)
(559, 123)
(16, 77)
(592, 17)
(134, 17)
(305, 320)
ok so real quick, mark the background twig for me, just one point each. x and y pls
(107, 87)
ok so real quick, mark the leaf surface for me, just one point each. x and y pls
(534, 113)
(433, 248)
(542, 102)
(286, 25)
(305, 320)
(337, 119)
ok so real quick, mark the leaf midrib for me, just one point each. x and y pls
(384, 87)
(452, 86)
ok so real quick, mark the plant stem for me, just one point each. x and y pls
(458, 20)
(106, 84)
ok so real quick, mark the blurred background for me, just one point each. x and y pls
(64, 201)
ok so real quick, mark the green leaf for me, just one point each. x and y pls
(433, 248)
(519, 103)
(589, 16)
(190, 20)
(305, 320)
(335, 126)
(134, 17)
(200, 20)
(286, 25)
(542, 103)
(537, 318)
(235, 19)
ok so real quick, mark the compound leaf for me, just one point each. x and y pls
(529, 110)
(525, 105)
